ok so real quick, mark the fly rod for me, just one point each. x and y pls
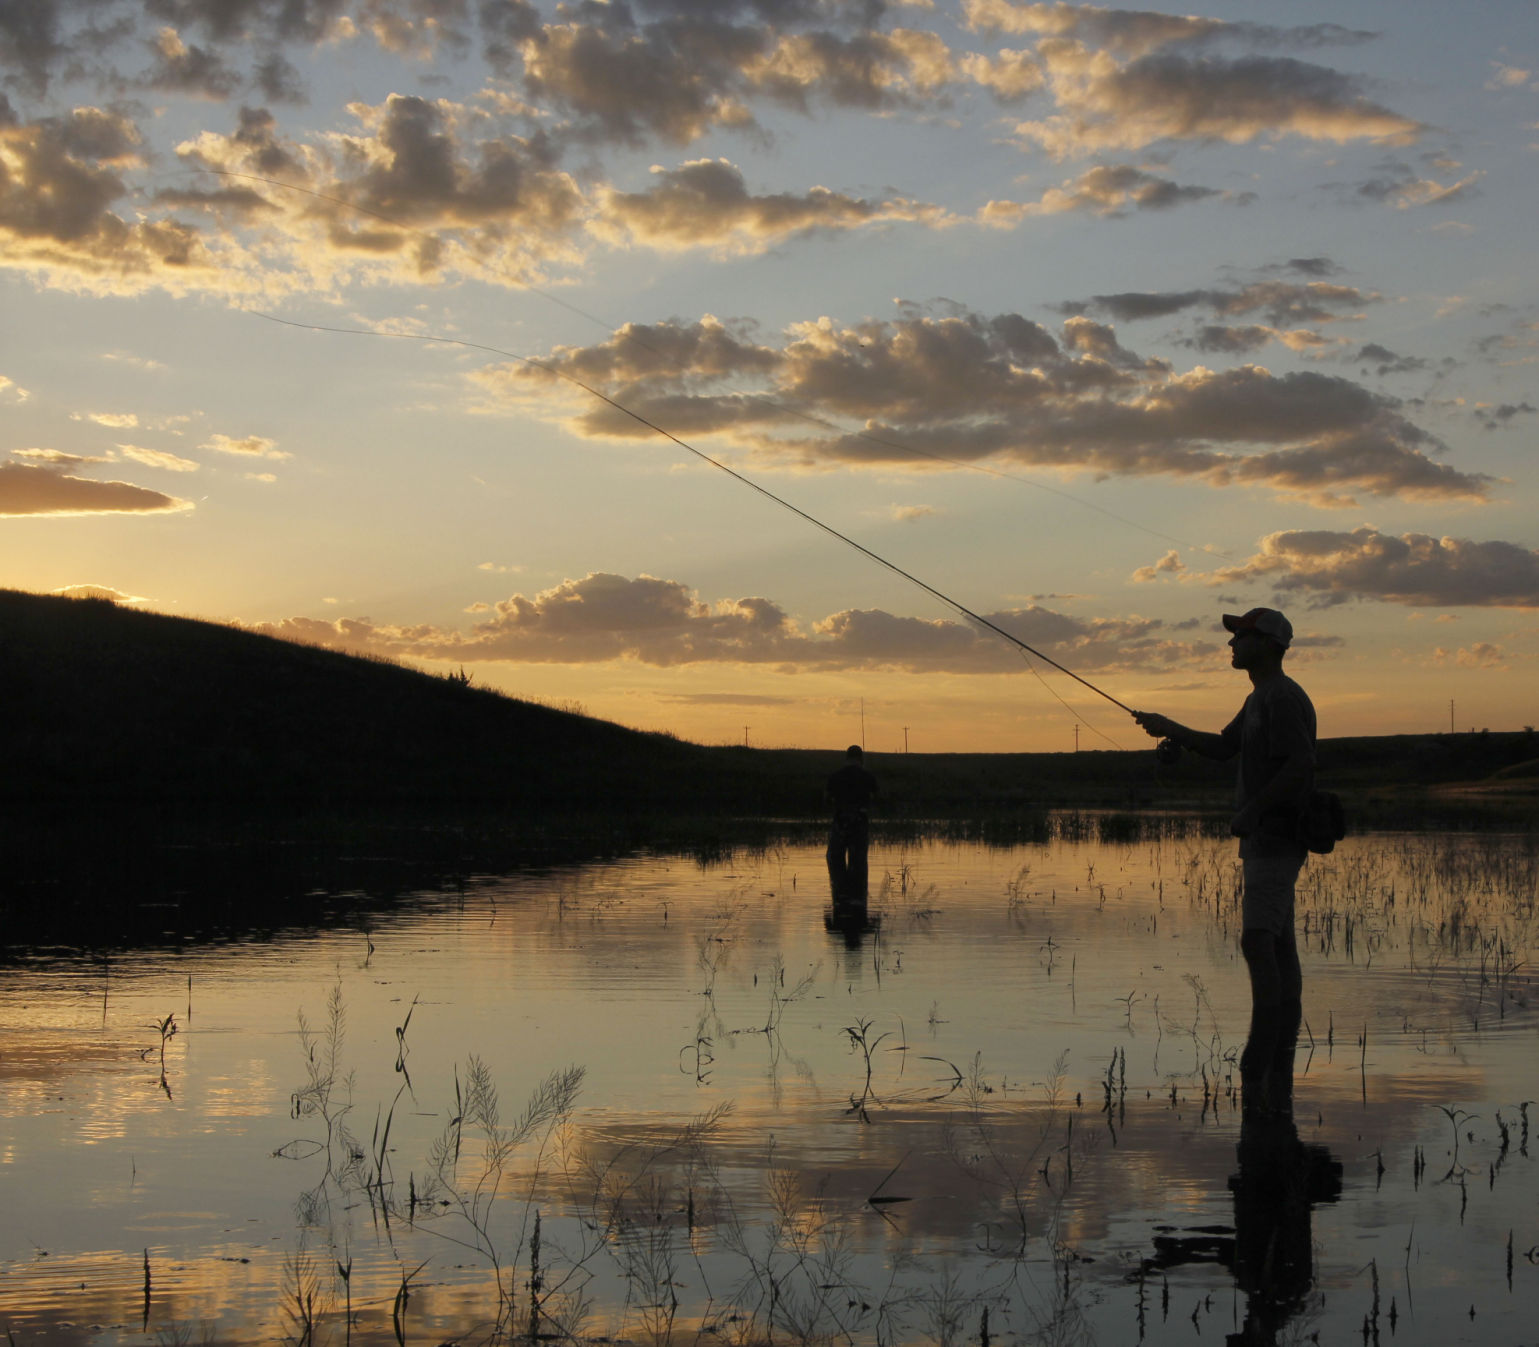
(704, 457)
(778, 405)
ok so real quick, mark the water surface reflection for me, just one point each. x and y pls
(995, 1098)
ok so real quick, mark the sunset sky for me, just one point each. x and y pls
(1101, 322)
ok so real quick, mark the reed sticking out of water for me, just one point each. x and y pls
(1371, 1322)
(300, 1304)
(345, 1271)
(166, 1028)
(401, 1301)
(861, 1041)
(536, 1280)
(1362, 1065)
(401, 1050)
(380, 1147)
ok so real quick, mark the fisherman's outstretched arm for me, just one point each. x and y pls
(1200, 742)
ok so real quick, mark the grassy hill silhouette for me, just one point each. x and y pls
(110, 706)
(109, 703)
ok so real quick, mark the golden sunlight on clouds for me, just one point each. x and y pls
(158, 458)
(248, 446)
(706, 203)
(1004, 288)
(115, 420)
(97, 592)
(27, 489)
(1108, 105)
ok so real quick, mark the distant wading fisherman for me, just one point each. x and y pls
(1274, 736)
(850, 790)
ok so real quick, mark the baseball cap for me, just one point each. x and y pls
(1268, 621)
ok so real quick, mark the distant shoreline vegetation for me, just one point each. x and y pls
(117, 709)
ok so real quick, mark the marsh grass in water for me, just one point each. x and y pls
(1007, 1113)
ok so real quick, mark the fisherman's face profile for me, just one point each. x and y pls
(1251, 649)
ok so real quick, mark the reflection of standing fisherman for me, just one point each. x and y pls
(850, 790)
(1274, 736)
(1280, 1181)
(1271, 1249)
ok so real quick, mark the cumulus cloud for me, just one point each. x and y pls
(1404, 187)
(1384, 361)
(604, 617)
(421, 188)
(1106, 190)
(1139, 32)
(1280, 302)
(1106, 105)
(965, 388)
(60, 181)
(870, 70)
(113, 420)
(681, 77)
(670, 81)
(11, 391)
(1009, 75)
(1169, 564)
(1518, 346)
(184, 69)
(248, 446)
(1246, 338)
(58, 458)
(1480, 655)
(158, 458)
(707, 203)
(432, 188)
(1328, 568)
(1505, 76)
(34, 489)
(1503, 414)
(510, 184)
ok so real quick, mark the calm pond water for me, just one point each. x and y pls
(655, 1100)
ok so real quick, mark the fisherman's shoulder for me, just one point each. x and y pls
(1278, 688)
(1293, 690)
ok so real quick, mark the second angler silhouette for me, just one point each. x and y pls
(850, 791)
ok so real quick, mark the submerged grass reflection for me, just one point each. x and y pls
(1006, 1114)
(585, 1233)
(652, 1237)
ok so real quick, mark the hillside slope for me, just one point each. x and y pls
(103, 705)
(107, 703)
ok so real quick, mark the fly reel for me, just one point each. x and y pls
(1167, 751)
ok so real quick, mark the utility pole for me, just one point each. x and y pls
(862, 724)
(905, 739)
(1450, 716)
(745, 736)
(1076, 738)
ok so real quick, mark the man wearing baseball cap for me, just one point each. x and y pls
(1274, 738)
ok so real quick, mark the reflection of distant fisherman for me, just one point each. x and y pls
(850, 790)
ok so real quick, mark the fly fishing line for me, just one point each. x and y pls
(956, 605)
(775, 404)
